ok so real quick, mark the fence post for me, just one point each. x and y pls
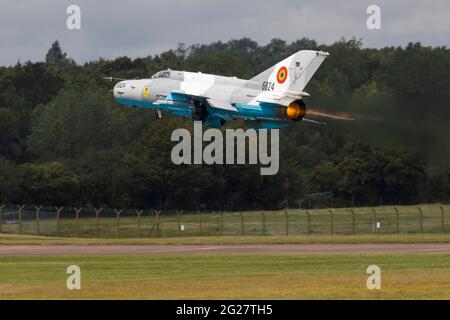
(1, 216)
(375, 218)
(38, 211)
(442, 218)
(97, 222)
(20, 217)
(242, 224)
(221, 223)
(308, 216)
(397, 219)
(118, 212)
(263, 223)
(200, 222)
(353, 221)
(179, 222)
(77, 221)
(138, 221)
(157, 223)
(421, 219)
(287, 222)
(331, 221)
(58, 219)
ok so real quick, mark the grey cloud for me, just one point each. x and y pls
(138, 28)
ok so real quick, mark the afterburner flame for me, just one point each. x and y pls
(295, 111)
(323, 114)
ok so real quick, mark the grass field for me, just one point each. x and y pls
(312, 276)
(409, 220)
(8, 239)
(231, 276)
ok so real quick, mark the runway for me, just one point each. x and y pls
(81, 250)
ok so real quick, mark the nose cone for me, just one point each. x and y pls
(120, 90)
(133, 93)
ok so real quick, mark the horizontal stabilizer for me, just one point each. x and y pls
(313, 121)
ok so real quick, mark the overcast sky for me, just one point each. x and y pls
(111, 28)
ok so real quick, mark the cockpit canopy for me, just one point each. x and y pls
(168, 74)
(162, 74)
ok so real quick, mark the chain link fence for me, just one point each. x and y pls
(121, 223)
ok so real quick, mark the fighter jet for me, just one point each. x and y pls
(270, 100)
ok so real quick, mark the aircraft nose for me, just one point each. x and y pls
(120, 89)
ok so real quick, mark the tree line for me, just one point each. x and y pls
(65, 141)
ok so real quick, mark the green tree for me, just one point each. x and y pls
(55, 56)
(404, 178)
(10, 140)
(50, 184)
(62, 112)
(10, 182)
(324, 177)
(361, 173)
(77, 120)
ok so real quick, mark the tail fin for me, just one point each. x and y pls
(293, 73)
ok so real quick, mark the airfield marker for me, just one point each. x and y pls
(179, 221)
(375, 220)
(442, 218)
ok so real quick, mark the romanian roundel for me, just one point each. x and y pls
(282, 75)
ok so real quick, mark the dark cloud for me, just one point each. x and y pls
(137, 28)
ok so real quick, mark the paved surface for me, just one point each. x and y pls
(39, 250)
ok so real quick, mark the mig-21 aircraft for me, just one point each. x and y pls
(270, 100)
